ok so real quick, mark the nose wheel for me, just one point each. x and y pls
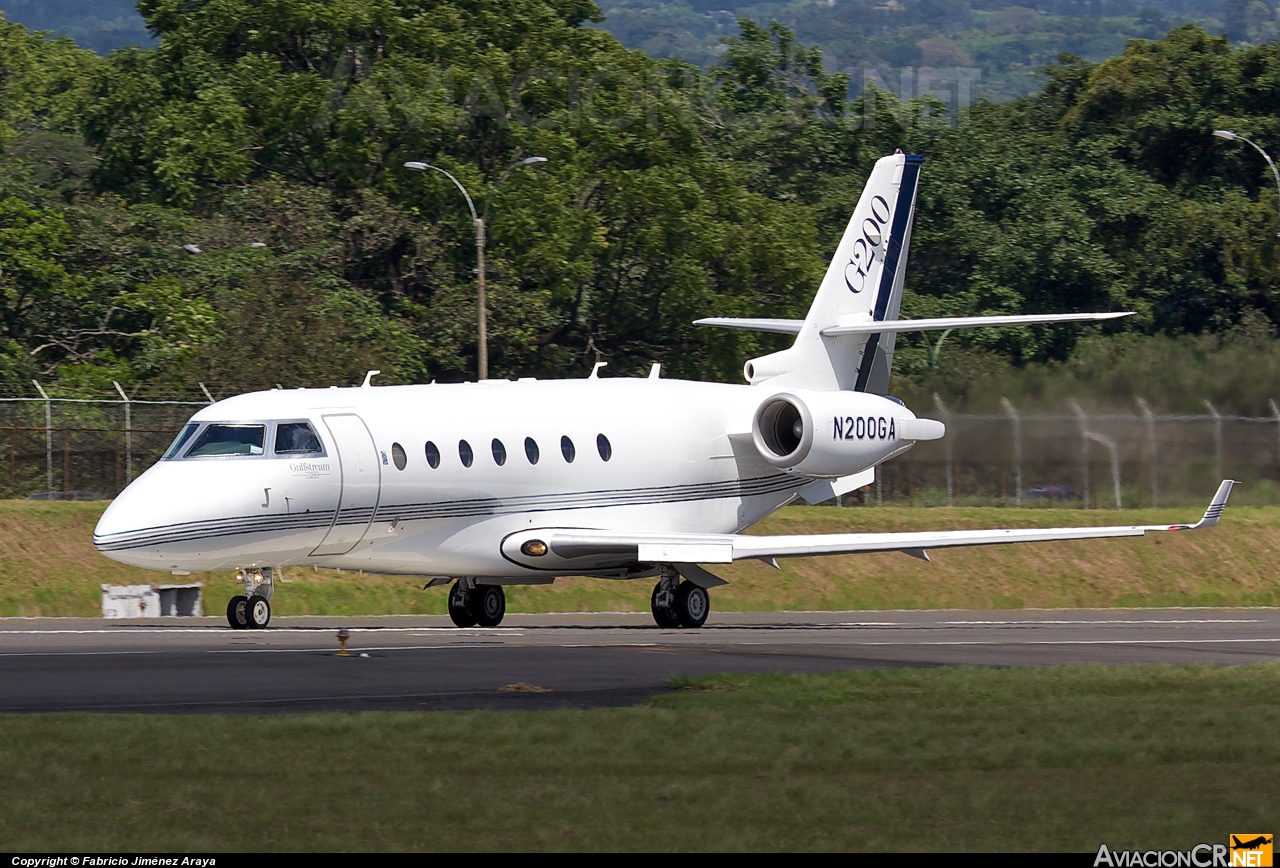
(237, 612)
(258, 612)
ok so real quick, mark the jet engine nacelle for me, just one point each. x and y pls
(835, 433)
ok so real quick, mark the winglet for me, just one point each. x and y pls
(1214, 512)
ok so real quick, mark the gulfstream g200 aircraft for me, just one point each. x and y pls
(500, 483)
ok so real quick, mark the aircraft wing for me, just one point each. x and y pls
(568, 547)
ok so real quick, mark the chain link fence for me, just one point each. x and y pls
(69, 448)
(1083, 459)
(57, 448)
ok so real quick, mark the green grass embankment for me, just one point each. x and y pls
(1049, 759)
(48, 566)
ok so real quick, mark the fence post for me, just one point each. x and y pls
(1084, 446)
(1016, 420)
(946, 447)
(1217, 439)
(48, 435)
(1115, 460)
(128, 435)
(1153, 466)
(1275, 411)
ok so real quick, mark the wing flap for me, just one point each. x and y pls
(665, 551)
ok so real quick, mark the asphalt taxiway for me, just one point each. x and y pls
(576, 660)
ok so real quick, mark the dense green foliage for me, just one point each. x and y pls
(271, 137)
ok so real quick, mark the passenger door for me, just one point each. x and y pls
(361, 484)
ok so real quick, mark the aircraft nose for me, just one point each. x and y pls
(129, 522)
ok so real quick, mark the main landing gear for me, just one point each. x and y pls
(679, 604)
(252, 609)
(471, 604)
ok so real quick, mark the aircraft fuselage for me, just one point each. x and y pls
(636, 454)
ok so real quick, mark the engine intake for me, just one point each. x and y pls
(835, 434)
(783, 429)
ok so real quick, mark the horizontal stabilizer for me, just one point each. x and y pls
(871, 327)
(778, 326)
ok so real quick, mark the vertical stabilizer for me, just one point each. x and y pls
(863, 283)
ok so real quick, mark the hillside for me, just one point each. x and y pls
(1001, 46)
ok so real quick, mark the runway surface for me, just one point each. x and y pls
(547, 661)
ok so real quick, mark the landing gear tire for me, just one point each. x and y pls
(257, 613)
(663, 604)
(488, 605)
(692, 605)
(237, 612)
(459, 610)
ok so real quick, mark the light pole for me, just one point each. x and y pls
(1231, 136)
(482, 325)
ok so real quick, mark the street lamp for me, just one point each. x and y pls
(1231, 136)
(482, 325)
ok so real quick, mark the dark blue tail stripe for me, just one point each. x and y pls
(897, 235)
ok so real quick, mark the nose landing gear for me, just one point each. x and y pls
(471, 604)
(252, 609)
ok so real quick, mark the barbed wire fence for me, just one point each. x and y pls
(91, 448)
(84, 448)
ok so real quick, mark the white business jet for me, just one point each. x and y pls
(504, 483)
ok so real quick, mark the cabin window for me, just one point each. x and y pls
(465, 453)
(181, 440)
(604, 447)
(398, 456)
(225, 440)
(433, 455)
(297, 438)
(566, 449)
(531, 450)
(499, 452)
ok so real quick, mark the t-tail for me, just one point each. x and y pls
(847, 339)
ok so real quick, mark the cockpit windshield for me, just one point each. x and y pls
(218, 440)
(181, 440)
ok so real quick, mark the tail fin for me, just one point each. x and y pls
(863, 284)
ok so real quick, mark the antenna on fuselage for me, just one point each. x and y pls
(595, 371)
(206, 393)
(655, 371)
(368, 379)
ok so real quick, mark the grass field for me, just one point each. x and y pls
(48, 566)
(946, 759)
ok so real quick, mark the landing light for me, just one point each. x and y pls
(534, 548)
